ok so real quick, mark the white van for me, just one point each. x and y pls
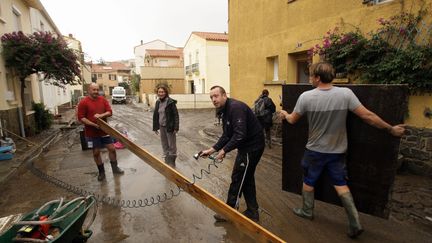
(119, 95)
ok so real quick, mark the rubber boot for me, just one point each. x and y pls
(115, 168)
(173, 159)
(101, 175)
(308, 205)
(355, 229)
(170, 160)
(251, 214)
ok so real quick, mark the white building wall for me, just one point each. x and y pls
(75, 45)
(217, 65)
(167, 61)
(193, 45)
(140, 51)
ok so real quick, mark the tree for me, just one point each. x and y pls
(135, 83)
(40, 52)
(124, 85)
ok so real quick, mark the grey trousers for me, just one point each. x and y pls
(168, 140)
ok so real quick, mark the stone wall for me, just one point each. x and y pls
(9, 119)
(276, 130)
(30, 128)
(416, 151)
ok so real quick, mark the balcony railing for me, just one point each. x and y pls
(189, 70)
(195, 67)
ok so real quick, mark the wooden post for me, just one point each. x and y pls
(239, 220)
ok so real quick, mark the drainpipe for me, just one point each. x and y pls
(21, 121)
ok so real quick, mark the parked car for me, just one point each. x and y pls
(119, 95)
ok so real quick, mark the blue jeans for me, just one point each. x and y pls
(314, 163)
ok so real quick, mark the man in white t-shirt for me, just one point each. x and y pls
(326, 108)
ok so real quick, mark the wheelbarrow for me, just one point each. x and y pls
(55, 221)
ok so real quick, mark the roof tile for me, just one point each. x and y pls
(212, 36)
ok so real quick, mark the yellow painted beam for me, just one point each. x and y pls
(239, 220)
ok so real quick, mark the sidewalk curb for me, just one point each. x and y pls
(23, 159)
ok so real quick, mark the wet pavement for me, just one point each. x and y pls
(181, 218)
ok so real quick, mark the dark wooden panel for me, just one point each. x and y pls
(372, 153)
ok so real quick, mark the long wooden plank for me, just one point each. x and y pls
(239, 220)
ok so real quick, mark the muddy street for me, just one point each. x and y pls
(180, 218)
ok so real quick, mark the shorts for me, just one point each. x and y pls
(314, 163)
(98, 142)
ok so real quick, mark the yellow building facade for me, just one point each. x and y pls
(269, 41)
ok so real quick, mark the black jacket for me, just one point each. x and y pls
(241, 128)
(267, 119)
(171, 114)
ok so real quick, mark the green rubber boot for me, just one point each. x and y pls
(308, 205)
(355, 229)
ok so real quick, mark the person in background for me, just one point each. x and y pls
(326, 108)
(89, 109)
(166, 123)
(241, 131)
(264, 109)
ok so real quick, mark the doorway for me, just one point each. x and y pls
(191, 87)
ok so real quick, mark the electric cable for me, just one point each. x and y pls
(112, 201)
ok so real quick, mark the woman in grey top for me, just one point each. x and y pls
(166, 123)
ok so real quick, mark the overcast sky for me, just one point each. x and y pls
(110, 29)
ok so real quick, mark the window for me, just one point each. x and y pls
(197, 56)
(273, 68)
(163, 63)
(1, 19)
(93, 76)
(112, 77)
(17, 19)
(42, 26)
(99, 75)
(9, 82)
(28, 95)
(302, 71)
(10, 91)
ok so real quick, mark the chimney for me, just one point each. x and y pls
(70, 35)
(142, 42)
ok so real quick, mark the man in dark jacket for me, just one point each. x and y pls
(242, 131)
(264, 109)
(166, 120)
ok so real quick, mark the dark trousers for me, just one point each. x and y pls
(267, 131)
(244, 162)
